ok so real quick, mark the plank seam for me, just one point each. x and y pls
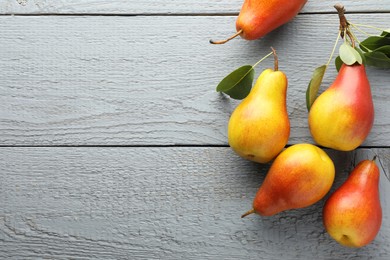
(156, 146)
(174, 14)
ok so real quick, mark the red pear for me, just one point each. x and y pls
(353, 215)
(342, 116)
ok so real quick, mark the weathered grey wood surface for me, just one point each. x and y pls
(143, 76)
(167, 6)
(160, 203)
(118, 81)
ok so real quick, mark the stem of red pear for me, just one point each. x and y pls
(344, 25)
(343, 20)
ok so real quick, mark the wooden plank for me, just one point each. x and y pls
(160, 203)
(166, 6)
(70, 80)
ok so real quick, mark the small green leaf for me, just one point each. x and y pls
(377, 59)
(361, 55)
(374, 42)
(338, 63)
(238, 84)
(386, 33)
(349, 55)
(314, 86)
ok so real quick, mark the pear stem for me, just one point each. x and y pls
(374, 159)
(228, 39)
(344, 24)
(248, 213)
(351, 38)
(343, 20)
(276, 62)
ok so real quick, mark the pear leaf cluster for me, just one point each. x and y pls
(238, 84)
(377, 50)
(373, 51)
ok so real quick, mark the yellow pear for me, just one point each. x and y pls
(259, 127)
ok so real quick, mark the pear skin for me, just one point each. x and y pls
(342, 116)
(300, 176)
(259, 17)
(259, 127)
(352, 215)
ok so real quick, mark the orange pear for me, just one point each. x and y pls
(353, 215)
(300, 176)
(259, 17)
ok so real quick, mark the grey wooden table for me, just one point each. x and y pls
(113, 140)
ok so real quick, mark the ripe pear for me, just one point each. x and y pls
(342, 116)
(259, 127)
(259, 17)
(353, 215)
(300, 176)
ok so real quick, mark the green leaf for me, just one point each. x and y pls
(314, 86)
(384, 49)
(338, 63)
(377, 59)
(386, 33)
(349, 55)
(361, 55)
(364, 48)
(374, 42)
(238, 84)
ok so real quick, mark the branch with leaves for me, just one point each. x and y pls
(373, 51)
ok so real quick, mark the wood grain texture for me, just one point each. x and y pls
(71, 80)
(160, 203)
(166, 6)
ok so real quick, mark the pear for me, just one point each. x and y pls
(259, 127)
(342, 116)
(352, 215)
(300, 176)
(259, 17)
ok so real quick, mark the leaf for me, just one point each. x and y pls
(384, 49)
(364, 48)
(338, 62)
(314, 85)
(361, 55)
(374, 42)
(238, 84)
(386, 33)
(349, 55)
(377, 59)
